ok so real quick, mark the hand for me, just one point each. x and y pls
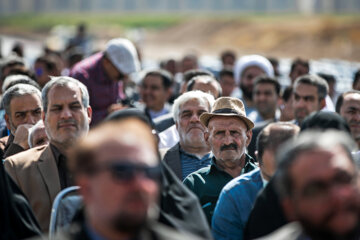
(21, 135)
(115, 107)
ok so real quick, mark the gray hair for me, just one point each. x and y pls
(39, 124)
(64, 81)
(316, 81)
(202, 97)
(18, 90)
(307, 141)
(12, 80)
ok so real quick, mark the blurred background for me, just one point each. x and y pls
(325, 31)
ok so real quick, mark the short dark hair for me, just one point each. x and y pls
(191, 83)
(228, 53)
(329, 78)
(188, 75)
(166, 77)
(340, 99)
(64, 81)
(226, 72)
(299, 61)
(286, 93)
(48, 61)
(316, 81)
(264, 79)
(356, 78)
(273, 135)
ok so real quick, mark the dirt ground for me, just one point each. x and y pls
(307, 37)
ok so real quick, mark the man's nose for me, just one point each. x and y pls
(228, 138)
(340, 195)
(31, 119)
(66, 113)
(300, 102)
(194, 118)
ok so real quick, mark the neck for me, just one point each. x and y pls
(157, 108)
(232, 168)
(267, 116)
(108, 233)
(248, 102)
(198, 151)
(62, 147)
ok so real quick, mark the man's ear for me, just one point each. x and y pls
(83, 182)
(206, 136)
(248, 137)
(89, 113)
(168, 93)
(7, 120)
(43, 116)
(322, 104)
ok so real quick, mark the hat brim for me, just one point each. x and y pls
(205, 118)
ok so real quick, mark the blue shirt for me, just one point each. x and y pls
(191, 163)
(234, 206)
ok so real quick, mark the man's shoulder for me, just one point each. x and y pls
(26, 158)
(201, 172)
(84, 68)
(197, 177)
(250, 178)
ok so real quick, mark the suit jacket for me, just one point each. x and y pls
(36, 173)
(172, 158)
(164, 122)
(8, 148)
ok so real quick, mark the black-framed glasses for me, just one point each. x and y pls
(126, 171)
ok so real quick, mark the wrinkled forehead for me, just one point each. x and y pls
(70, 89)
(226, 122)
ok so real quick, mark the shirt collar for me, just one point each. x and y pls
(206, 156)
(57, 154)
(214, 167)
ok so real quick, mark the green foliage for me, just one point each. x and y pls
(47, 21)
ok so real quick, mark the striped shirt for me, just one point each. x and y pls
(191, 163)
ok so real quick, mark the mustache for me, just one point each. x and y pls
(195, 125)
(69, 121)
(231, 146)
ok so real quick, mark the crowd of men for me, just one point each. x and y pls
(185, 153)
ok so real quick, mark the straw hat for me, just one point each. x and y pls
(229, 107)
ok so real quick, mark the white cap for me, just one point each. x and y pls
(252, 61)
(122, 53)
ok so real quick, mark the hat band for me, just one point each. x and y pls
(225, 110)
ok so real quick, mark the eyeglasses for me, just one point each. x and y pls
(128, 171)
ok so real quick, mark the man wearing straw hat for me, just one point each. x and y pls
(228, 134)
